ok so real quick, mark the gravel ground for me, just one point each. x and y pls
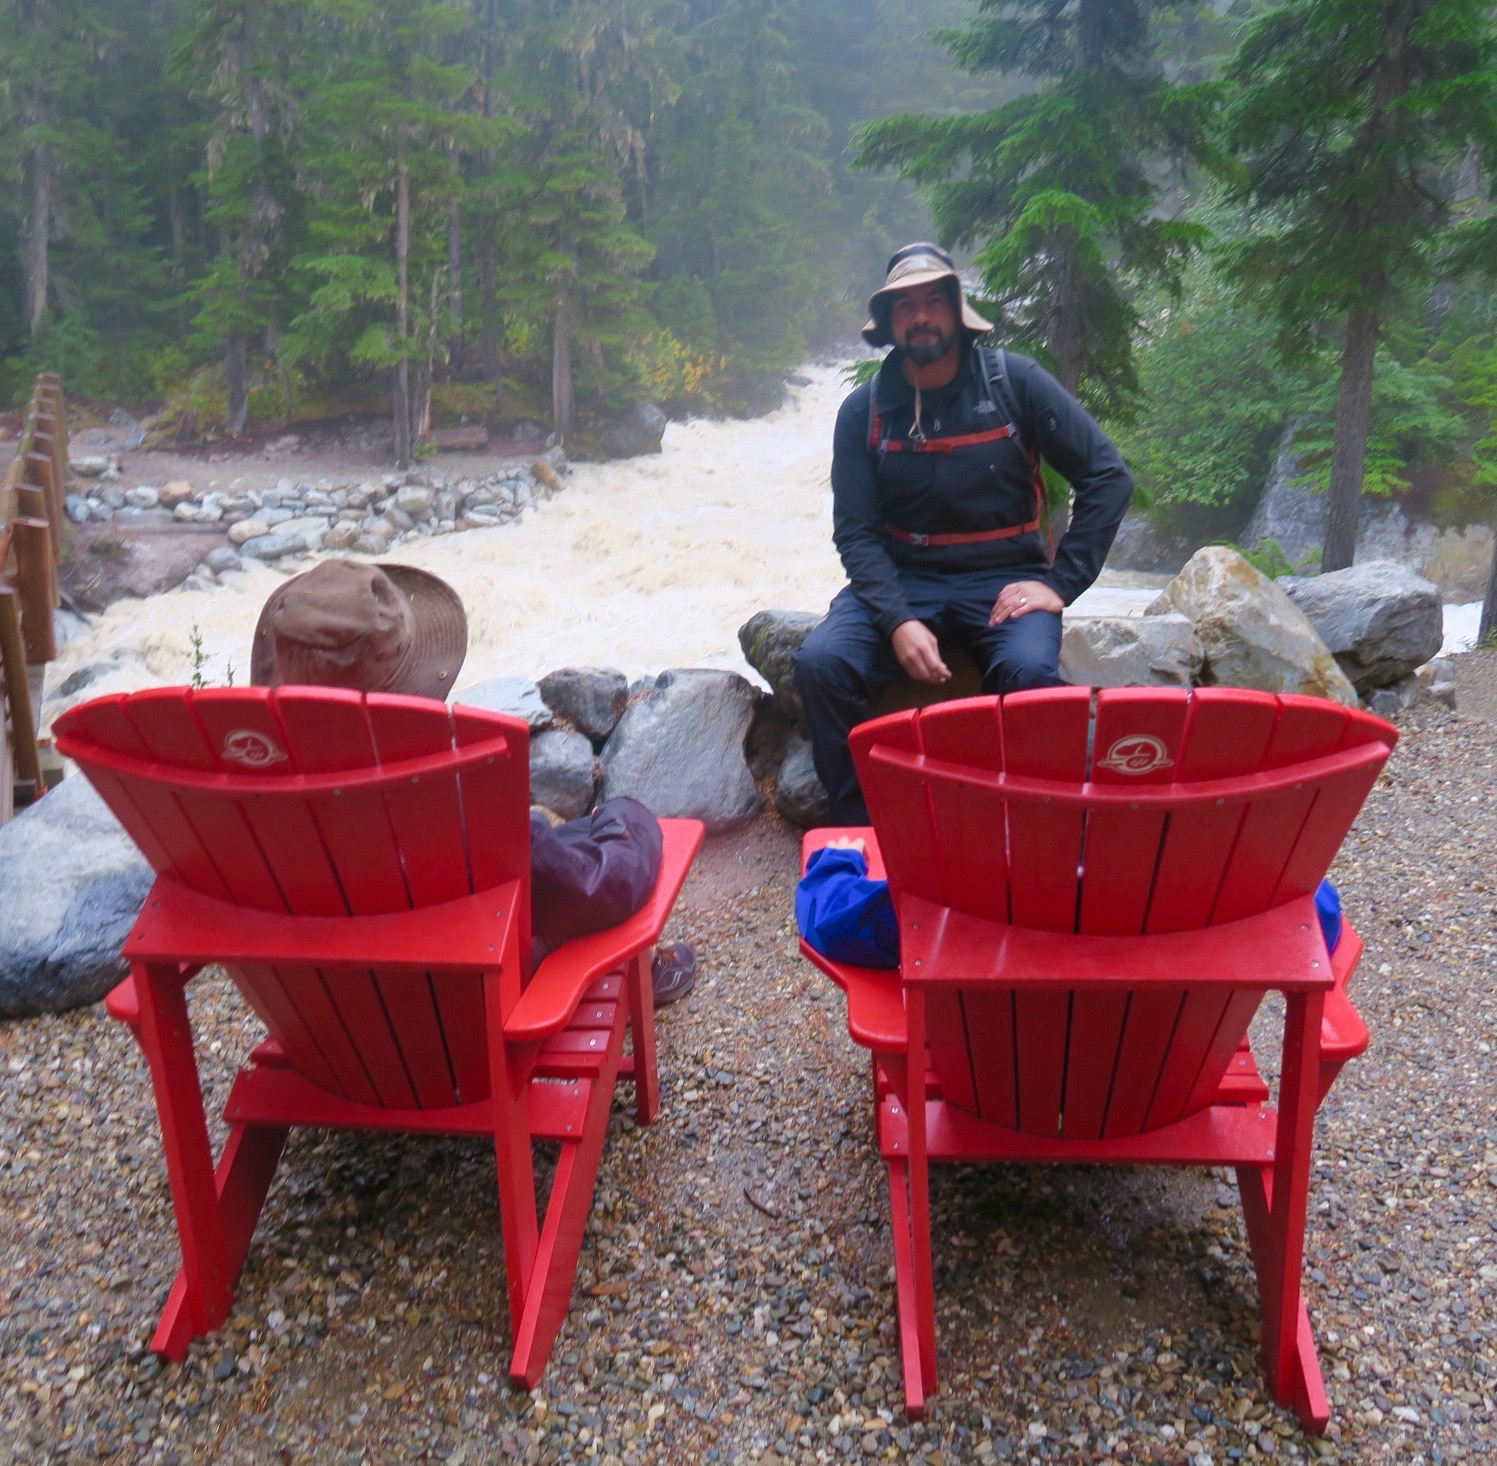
(735, 1301)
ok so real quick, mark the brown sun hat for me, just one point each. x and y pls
(916, 264)
(371, 628)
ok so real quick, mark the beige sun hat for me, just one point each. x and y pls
(371, 628)
(916, 264)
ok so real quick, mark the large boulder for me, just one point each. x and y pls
(563, 773)
(639, 430)
(517, 696)
(592, 699)
(680, 751)
(1141, 545)
(798, 793)
(74, 884)
(1251, 633)
(770, 640)
(1379, 619)
(1130, 651)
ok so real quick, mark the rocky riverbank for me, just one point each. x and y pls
(734, 1302)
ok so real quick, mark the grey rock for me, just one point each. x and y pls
(798, 793)
(563, 772)
(1379, 619)
(591, 698)
(77, 680)
(1130, 651)
(1385, 702)
(274, 516)
(398, 519)
(90, 465)
(1141, 546)
(143, 497)
(369, 544)
(113, 495)
(414, 500)
(379, 529)
(342, 535)
(186, 511)
(1252, 634)
(196, 581)
(517, 696)
(77, 509)
(274, 546)
(637, 431)
(246, 530)
(1437, 679)
(681, 751)
(642, 687)
(225, 557)
(770, 641)
(67, 626)
(85, 883)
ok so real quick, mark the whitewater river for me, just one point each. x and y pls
(641, 564)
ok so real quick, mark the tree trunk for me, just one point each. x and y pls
(455, 276)
(401, 404)
(1487, 627)
(488, 342)
(36, 229)
(561, 372)
(234, 360)
(1349, 452)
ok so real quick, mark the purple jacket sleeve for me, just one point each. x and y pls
(589, 874)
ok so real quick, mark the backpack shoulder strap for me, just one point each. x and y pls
(1000, 383)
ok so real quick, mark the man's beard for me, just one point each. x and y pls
(930, 348)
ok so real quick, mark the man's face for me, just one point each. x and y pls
(923, 322)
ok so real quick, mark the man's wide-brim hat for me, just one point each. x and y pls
(916, 264)
(372, 628)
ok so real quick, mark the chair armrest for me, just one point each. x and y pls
(875, 1001)
(180, 925)
(1343, 1034)
(557, 985)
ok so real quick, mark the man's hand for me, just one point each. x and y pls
(918, 652)
(1019, 599)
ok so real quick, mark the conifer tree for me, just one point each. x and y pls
(1053, 188)
(1350, 119)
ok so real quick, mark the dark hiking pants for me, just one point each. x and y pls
(846, 663)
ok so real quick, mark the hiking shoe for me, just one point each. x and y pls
(673, 973)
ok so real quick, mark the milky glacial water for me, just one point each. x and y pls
(642, 564)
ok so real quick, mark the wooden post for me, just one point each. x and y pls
(41, 470)
(34, 575)
(17, 689)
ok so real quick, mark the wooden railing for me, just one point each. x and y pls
(32, 524)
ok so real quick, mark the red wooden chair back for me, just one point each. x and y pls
(320, 802)
(1132, 811)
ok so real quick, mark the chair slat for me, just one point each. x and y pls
(292, 846)
(1091, 1060)
(1042, 1030)
(969, 825)
(1195, 849)
(1271, 827)
(1140, 1056)
(1236, 1016)
(949, 1055)
(361, 1011)
(1337, 801)
(1045, 736)
(356, 832)
(1197, 1026)
(913, 859)
(989, 1042)
(1227, 734)
(409, 1003)
(327, 730)
(171, 734)
(293, 1006)
(426, 819)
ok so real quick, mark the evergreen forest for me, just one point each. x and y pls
(1209, 217)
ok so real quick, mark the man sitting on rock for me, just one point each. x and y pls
(938, 512)
(393, 628)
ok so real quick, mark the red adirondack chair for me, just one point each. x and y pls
(361, 866)
(1094, 893)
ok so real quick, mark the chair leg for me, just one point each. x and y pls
(548, 1293)
(216, 1212)
(640, 984)
(509, 1092)
(1275, 1203)
(906, 1289)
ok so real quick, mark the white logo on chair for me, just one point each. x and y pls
(252, 749)
(1137, 753)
